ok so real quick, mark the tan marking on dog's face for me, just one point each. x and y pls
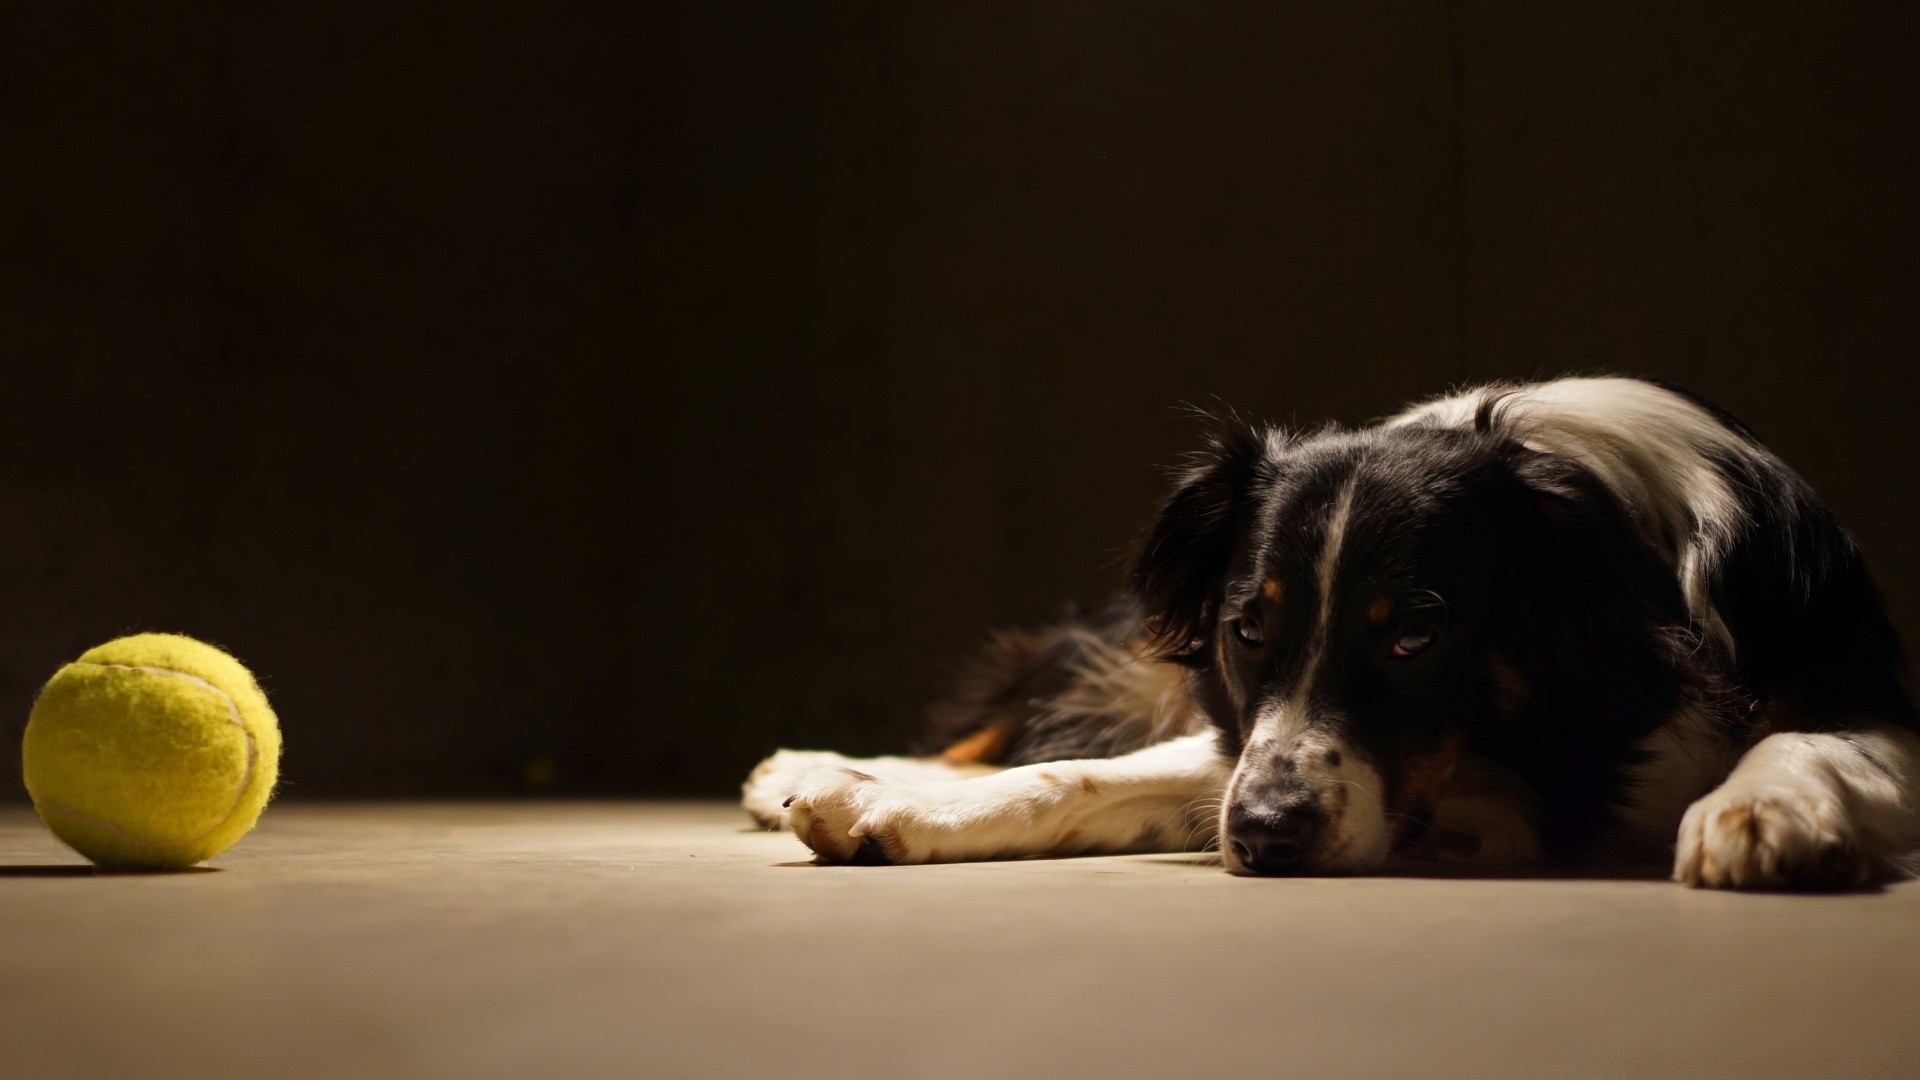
(986, 745)
(1087, 785)
(1426, 776)
(1511, 691)
(1270, 589)
(1067, 837)
(1380, 610)
(1049, 778)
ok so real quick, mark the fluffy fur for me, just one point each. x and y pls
(1588, 617)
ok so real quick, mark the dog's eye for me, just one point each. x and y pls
(1412, 640)
(1248, 632)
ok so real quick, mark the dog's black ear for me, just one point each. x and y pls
(1589, 611)
(1181, 564)
(1607, 572)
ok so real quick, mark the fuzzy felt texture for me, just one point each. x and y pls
(151, 752)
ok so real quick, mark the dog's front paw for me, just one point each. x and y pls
(1779, 835)
(778, 777)
(847, 816)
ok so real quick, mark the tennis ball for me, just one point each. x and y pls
(151, 752)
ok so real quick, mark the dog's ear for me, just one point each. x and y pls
(1610, 585)
(1586, 607)
(1181, 564)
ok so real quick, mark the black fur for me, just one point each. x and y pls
(1183, 558)
(1810, 624)
(1010, 686)
(1528, 558)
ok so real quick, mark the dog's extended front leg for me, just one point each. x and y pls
(1819, 809)
(779, 776)
(1157, 799)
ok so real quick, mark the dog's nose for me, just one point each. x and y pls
(1274, 842)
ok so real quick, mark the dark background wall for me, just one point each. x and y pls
(591, 401)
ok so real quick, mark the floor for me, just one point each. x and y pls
(464, 940)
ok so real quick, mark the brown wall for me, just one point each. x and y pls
(637, 392)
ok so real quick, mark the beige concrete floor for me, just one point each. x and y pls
(665, 940)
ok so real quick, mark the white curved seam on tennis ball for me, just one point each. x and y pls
(233, 713)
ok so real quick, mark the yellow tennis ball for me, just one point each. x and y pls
(151, 752)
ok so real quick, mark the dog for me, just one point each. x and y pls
(1592, 618)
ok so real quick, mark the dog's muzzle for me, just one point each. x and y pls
(1275, 829)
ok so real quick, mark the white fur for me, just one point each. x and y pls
(1285, 732)
(1805, 807)
(779, 776)
(1157, 799)
(1647, 444)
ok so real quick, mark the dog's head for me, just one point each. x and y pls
(1364, 609)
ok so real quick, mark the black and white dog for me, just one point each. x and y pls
(1570, 619)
